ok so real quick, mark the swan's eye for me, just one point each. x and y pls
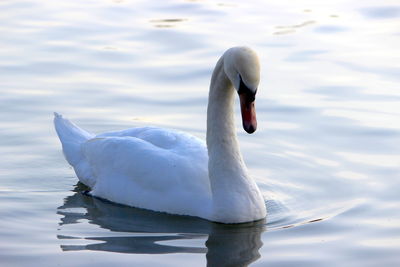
(243, 89)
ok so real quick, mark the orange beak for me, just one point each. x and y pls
(248, 109)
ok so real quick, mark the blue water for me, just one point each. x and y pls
(326, 154)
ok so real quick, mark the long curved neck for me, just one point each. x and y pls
(235, 196)
(221, 134)
(225, 159)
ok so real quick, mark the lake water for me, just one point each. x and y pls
(326, 154)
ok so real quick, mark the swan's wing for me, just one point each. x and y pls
(132, 171)
(162, 138)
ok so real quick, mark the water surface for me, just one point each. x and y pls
(326, 154)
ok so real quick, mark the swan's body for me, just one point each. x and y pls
(174, 172)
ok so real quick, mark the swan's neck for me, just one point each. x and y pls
(223, 148)
(234, 192)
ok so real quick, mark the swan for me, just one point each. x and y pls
(171, 171)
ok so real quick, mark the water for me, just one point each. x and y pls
(326, 154)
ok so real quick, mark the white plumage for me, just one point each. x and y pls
(171, 171)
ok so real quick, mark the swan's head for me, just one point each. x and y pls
(242, 67)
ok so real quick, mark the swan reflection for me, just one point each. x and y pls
(145, 232)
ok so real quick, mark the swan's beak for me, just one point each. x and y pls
(247, 106)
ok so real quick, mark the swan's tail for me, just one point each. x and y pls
(72, 137)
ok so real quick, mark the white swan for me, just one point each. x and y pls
(174, 172)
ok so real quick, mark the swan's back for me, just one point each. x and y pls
(162, 138)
